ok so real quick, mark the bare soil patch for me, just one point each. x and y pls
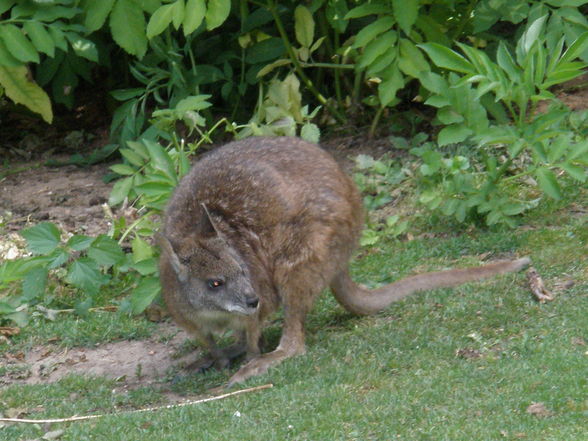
(133, 363)
(69, 196)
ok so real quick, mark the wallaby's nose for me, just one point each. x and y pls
(252, 302)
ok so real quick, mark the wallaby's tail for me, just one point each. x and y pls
(359, 300)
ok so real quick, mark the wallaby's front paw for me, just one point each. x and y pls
(208, 362)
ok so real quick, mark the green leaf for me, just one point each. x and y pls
(265, 50)
(506, 61)
(57, 258)
(434, 83)
(105, 251)
(195, 102)
(193, 15)
(548, 182)
(150, 6)
(21, 318)
(141, 249)
(575, 171)
(557, 148)
(368, 237)
(368, 9)
(411, 61)
(580, 149)
(555, 55)
(435, 31)
(21, 90)
(563, 73)
(530, 36)
(270, 67)
(127, 24)
(96, 13)
(42, 238)
(120, 191)
(406, 13)
(178, 13)
(560, 3)
(453, 134)
(82, 307)
(160, 159)
(446, 58)
(310, 132)
(145, 292)
(84, 274)
(6, 58)
(154, 188)
(5, 5)
(448, 115)
(126, 94)
(123, 169)
(83, 47)
(383, 63)
(55, 12)
(461, 212)
(12, 270)
(6, 308)
(579, 45)
(160, 20)
(388, 87)
(40, 37)
(34, 283)
(335, 12)
(371, 31)
(58, 37)
(146, 267)
(217, 13)
(137, 154)
(79, 242)
(377, 47)
(513, 208)
(17, 44)
(303, 26)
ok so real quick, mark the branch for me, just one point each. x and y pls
(149, 409)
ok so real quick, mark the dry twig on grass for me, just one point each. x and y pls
(537, 286)
(149, 409)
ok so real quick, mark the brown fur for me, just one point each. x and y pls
(274, 221)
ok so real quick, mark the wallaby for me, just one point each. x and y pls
(264, 222)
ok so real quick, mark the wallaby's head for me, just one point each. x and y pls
(209, 271)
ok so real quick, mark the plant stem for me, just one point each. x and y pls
(338, 93)
(357, 86)
(517, 176)
(307, 82)
(329, 65)
(17, 170)
(375, 122)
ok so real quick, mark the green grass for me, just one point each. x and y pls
(396, 375)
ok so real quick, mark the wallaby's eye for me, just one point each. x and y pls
(215, 283)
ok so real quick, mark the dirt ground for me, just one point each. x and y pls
(73, 198)
(131, 363)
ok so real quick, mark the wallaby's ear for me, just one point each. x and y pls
(168, 251)
(206, 227)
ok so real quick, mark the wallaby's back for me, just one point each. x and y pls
(288, 193)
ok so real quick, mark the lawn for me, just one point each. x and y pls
(452, 364)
